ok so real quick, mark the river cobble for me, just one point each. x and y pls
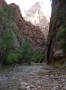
(32, 77)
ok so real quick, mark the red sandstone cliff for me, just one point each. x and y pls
(31, 33)
(2, 3)
(28, 31)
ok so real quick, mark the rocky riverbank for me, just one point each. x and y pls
(33, 77)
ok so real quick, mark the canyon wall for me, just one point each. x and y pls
(57, 24)
(27, 31)
(31, 33)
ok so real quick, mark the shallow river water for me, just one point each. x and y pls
(40, 75)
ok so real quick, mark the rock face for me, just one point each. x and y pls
(2, 3)
(30, 32)
(11, 23)
(57, 24)
(37, 15)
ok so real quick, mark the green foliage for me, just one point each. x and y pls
(62, 34)
(63, 37)
(6, 36)
(63, 2)
(1, 43)
(8, 39)
(60, 23)
(28, 55)
(64, 47)
(9, 12)
(12, 58)
(6, 44)
(39, 57)
(26, 52)
(7, 53)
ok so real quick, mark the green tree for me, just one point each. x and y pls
(12, 58)
(26, 52)
(62, 37)
(39, 57)
(7, 15)
(6, 44)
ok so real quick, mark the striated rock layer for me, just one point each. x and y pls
(57, 24)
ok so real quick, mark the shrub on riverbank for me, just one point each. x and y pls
(38, 57)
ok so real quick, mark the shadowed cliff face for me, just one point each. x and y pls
(57, 24)
(30, 32)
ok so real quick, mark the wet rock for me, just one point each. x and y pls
(38, 81)
(22, 88)
(64, 88)
(31, 80)
(55, 88)
(39, 87)
(32, 86)
(24, 83)
(28, 88)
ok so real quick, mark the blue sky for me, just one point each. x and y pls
(26, 4)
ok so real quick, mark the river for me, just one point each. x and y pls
(36, 74)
